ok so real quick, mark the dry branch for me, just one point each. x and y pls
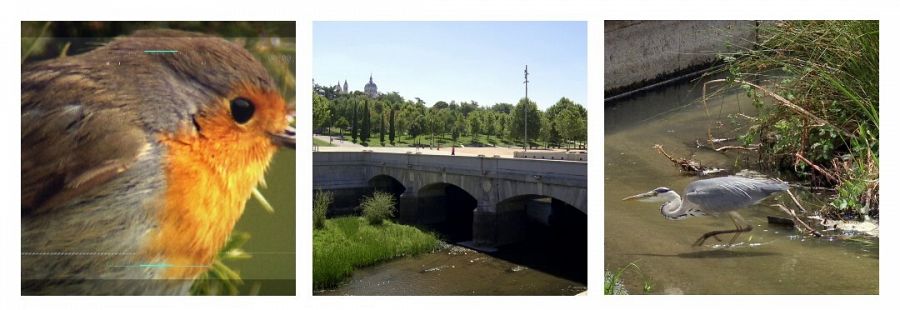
(780, 100)
(817, 168)
(797, 219)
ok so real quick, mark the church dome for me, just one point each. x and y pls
(371, 89)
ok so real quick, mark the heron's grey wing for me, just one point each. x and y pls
(74, 137)
(724, 194)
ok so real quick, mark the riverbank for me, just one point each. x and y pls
(348, 243)
(771, 259)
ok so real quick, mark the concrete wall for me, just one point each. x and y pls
(491, 179)
(495, 183)
(639, 53)
(552, 155)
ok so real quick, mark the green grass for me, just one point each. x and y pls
(613, 283)
(318, 142)
(347, 243)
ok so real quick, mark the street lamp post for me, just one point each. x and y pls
(525, 108)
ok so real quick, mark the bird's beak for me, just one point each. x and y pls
(286, 138)
(641, 196)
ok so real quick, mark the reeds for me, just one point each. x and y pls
(347, 243)
(828, 133)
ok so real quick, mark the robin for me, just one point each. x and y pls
(137, 165)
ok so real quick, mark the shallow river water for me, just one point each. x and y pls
(768, 260)
(455, 270)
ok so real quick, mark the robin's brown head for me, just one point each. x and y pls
(199, 81)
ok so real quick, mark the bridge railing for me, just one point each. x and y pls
(569, 172)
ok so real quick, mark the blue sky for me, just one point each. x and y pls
(462, 61)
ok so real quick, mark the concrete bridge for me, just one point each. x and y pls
(503, 192)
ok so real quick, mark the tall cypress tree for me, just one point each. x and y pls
(366, 124)
(391, 121)
(381, 128)
(353, 129)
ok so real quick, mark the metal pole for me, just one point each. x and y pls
(525, 108)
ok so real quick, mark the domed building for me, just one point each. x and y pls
(371, 89)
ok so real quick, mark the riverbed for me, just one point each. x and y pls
(456, 270)
(769, 260)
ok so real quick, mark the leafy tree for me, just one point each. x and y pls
(457, 125)
(546, 129)
(341, 123)
(487, 122)
(432, 117)
(504, 108)
(525, 111)
(468, 107)
(474, 121)
(564, 103)
(321, 112)
(501, 124)
(325, 91)
(440, 105)
(417, 127)
(571, 124)
(446, 120)
(406, 118)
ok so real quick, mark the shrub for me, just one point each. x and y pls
(347, 243)
(829, 73)
(321, 201)
(378, 207)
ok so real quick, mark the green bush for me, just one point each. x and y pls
(347, 243)
(378, 207)
(321, 201)
(829, 73)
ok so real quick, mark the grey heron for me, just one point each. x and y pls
(722, 195)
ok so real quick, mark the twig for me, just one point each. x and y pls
(796, 202)
(798, 220)
(659, 149)
(817, 168)
(735, 147)
(747, 116)
(781, 100)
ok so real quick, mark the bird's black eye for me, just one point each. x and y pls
(241, 110)
(661, 190)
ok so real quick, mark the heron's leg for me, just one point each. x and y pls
(738, 221)
(738, 230)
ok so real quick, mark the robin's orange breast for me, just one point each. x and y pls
(210, 174)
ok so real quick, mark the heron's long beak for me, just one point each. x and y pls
(641, 196)
(286, 138)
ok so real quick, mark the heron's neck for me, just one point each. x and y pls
(673, 209)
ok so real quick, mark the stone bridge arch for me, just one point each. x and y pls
(387, 183)
(575, 197)
(488, 180)
(447, 208)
